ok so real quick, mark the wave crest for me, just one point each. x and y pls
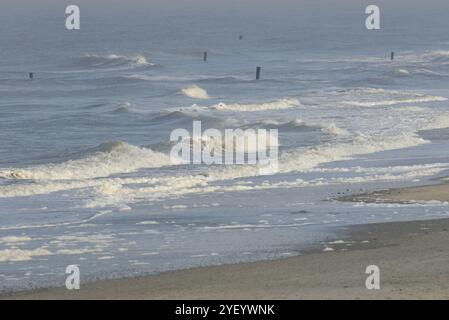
(195, 92)
(285, 103)
(113, 60)
(437, 56)
(102, 161)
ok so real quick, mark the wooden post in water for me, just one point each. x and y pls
(258, 73)
(205, 56)
(392, 55)
(31, 75)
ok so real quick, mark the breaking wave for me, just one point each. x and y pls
(334, 130)
(402, 72)
(195, 92)
(299, 124)
(123, 108)
(236, 142)
(105, 160)
(118, 191)
(285, 103)
(112, 60)
(308, 159)
(437, 56)
(416, 99)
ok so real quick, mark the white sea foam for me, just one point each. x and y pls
(124, 108)
(417, 99)
(300, 183)
(427, 72)
(377, 170)
(15, 255)
(78, 251)
(195, 92)
(439, 122)
(114, 60)
(297, 122)
(402, 72)
(437, 56)
(309, 158)
(334, 130)
(164, 78)
(329, 128)
(139, 77)
(147, 222)
(14, 239)
(281, 104)
(178, 186)
(236, 142)
(110, 158)
(255, 226)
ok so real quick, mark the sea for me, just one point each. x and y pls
(86, 176)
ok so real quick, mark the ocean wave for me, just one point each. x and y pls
(139, 77)
(186, 116)
(162, 78)
(296, 123)
(118, 191)
(300, 124)
(429, 73)
(123, 108)
(334, 130)
(373, 175)
(329, 128)
(225, 80)
(440, 56)
(281, 104)
(402, 72)
(301, 160)
(362, 91)
(416, 99)
(185, 78)
(304, 159)
(237, 142)
(439, 122)
(195, 92)
(112, 60)
(105, 160)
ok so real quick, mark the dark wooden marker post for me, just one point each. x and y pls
(205, 56)
(258, 73)
(31, 75)
(392, 55)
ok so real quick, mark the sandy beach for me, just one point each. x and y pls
(412, 257)
(438, 192)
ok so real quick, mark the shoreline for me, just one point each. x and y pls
(438, 192)
(412, 257)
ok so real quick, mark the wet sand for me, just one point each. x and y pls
(437, 192)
